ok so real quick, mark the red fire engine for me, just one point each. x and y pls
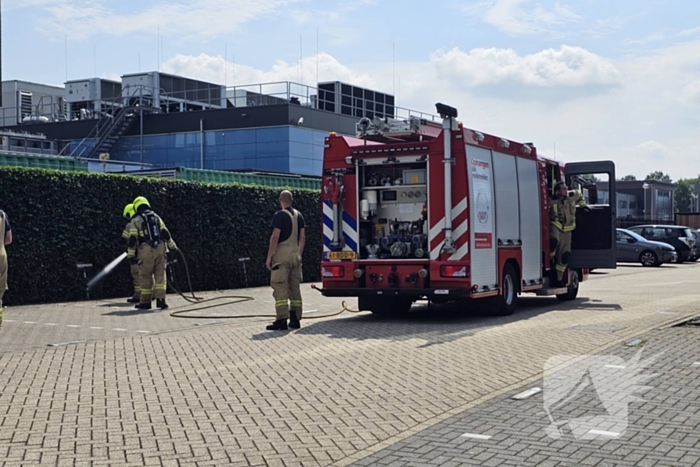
(420, 210)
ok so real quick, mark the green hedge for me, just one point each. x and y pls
(60, 219)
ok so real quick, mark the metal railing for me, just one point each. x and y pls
(51, 109)
(282, 92)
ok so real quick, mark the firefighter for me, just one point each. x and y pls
(562, 222)
(284, 262)
(6, 236)
(128, 215)
(149, 235)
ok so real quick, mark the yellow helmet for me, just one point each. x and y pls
(129, 211)
(140, 201)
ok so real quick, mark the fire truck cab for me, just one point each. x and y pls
(417, 209)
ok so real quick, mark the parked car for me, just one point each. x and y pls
(633, 248)
(679, 237)
(695, 252)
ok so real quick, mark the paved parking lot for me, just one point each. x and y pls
(335, 392)
(660, 428)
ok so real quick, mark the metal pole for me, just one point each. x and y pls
(447, 161)
(201, 143)
(141, 125)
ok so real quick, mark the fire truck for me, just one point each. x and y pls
(417, 209)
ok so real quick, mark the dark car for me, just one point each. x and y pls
(679, 237)
(695, 252)
(632, 248)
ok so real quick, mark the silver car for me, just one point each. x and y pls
(633, 248)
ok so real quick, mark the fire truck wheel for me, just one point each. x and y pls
(572, 291)
(509, 294)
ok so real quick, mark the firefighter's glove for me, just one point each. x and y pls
(134, 260)
(587, 208)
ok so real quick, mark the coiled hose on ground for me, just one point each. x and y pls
(231, 300)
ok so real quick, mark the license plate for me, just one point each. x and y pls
(334, 255)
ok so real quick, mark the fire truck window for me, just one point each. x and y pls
(552, 178)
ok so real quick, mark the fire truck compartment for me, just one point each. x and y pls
(393, 209)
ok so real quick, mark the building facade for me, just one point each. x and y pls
(178, 122)
(649, 200)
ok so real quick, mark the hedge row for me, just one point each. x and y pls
(60, 219)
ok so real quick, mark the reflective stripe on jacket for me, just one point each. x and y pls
(562, 214)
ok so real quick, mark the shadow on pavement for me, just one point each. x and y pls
(133, 312)
(268, 335)
(440, 324)
(117, 304)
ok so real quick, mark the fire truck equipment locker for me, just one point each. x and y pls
(484, 256)
(531, 225)
(505, 178)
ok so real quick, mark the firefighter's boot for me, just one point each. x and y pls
(143, 306)
(293, 320)
(279, 325)
(133, 300)
(160, 303)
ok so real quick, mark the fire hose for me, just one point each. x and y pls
(172, 283)
(193, 299)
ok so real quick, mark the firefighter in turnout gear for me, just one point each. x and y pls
(6, 239)
(284, 262)
(129, 213)
(562, 222)
(149, 235)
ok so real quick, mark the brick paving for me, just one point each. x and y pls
(663, 427)
(332, 393)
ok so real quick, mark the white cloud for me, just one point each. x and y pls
(645, 40)
(567, 66)
(81, 19)
(653, 150)
(336, 13)
(689, 32)
(691, 92)
(9, 5)
(211, 68)
(336, 29)
(521, 17)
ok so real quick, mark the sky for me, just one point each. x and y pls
(583, 80)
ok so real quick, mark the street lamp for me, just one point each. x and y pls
(646, 188)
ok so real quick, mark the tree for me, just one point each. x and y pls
(685, 187)
(628, 178)
(659, 177)
(591, 178)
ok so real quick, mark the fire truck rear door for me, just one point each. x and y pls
(593, 241)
